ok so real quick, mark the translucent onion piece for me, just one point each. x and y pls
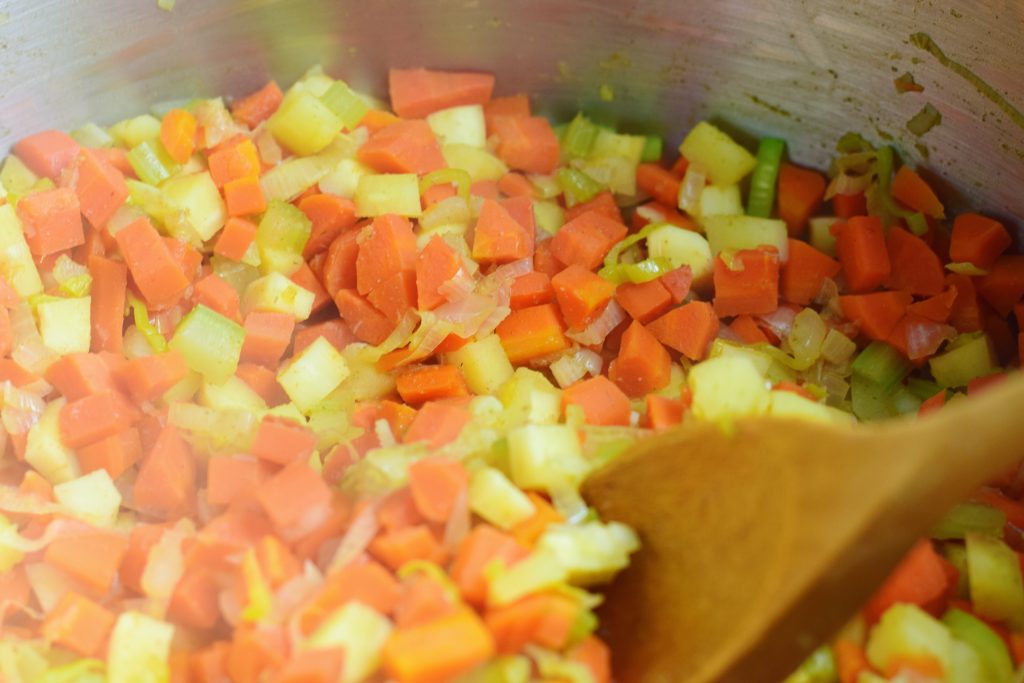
(362, 530)
(691, 188)
(216, 122)
(847, 184)
(570, 504)
(924, 337)
(166, 562)
(450, 211)
(21, 409)
(837, 347)
(595, 333)
(266, 145)
(780, 321)
(382, 428)
(296, 592)
(572, 366)
(11, 539)
(28, 349)
(828, 298)
(15, 502)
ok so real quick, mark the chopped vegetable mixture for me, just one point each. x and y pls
(302, 388)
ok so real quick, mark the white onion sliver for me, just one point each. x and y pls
(15, 502)
(11, 539)
(166, 562)
(570, 504)
(362, 530)
(691, 188)
(780, 321)
(595, 333)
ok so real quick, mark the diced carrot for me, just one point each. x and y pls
(645, 301)
(136, 554)
(423, 599)
(1003, 286)
(255, 650)
(15, 591)
(532, 332)
(437, 423)
(802, 275)
(15, 374)
(877, 314)
(514, 184)
(263, 381)
(438, 650)
(586, 239)
(965, 315)
(658, 182)
(389, 248)
(603, 402)
(498, 237)
(77, 375)
(308, 546)
(747, 329)
(401, 546)
(178, 134)
(333, 330)
(532, 289)
(109, 289)
(430, 383)
(581, 295)
(91, 418)
(100, 188)
(485, 189)
(527, 143)
(323, 665)
(544, 260)
(228, 477)
(210, 664)
(800, 195)
(436, 484)
(643, 365)
(752, 289)
(88, 554)
(154, 270)
(235, 238)
(860, 245)
(257, 107)
(34, 484)
(194, 599)
(915, 267)
(47, 153)
(398, 510)
(146, 378)
(366, 322)
(602, 203)
(920, 579)
(544, 618)
(910, 189)
(530, 529)
(678, 282)
(663, 412)
(978, 239)
(244, 196)
(79, 624)
(483, 545)
(52, 221)
(374, 120)
(404, 147)
(395, 295)
(330, 215)
(594, 654)
(932, 404)
(366, 582)
(267, 335)
(188, 258)
(513, 105)
(166, 484)
(218, 296)
(292, 493)
(850, 205)
(415, 93)
(230, 162)
(282, 441)
(688, 329)
(339, 263)
(851, 660)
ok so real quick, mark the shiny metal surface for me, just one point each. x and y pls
(803, 69)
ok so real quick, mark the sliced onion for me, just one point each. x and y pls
(569, 503)
(266, 145)
(780, 321)
(573, 365)
(297, 591)
(360, 532)
(166, 562)
(691, 188)
(847, 184)
(382, 428)
(10, 538)
(16, 502)
(595, 333)
(28, 349)
(460, 286)
(311, 519)
(216, 122)
(828, 297)
(725, 332)
(21, 409)
(924, 337)
(449, 211)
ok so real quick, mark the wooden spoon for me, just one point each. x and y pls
(760, 543)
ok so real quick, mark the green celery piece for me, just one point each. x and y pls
(956, 553)
(967, 358)
(990, 648)
(345, 104)
(970, 517)
(210, 343)
(924, 389)
(819, 667)
(871, 401)
(140, 315)
(653, 149)
(577, 186)
(994, 576)
(283, 228)
(152, 163)
(579, 137)
(762, 183)
(916, 222)
(881, 364)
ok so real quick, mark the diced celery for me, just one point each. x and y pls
(728, 387)
(546, 457)
(388, 193)
(821, 237)
(994, 577)
(484, 364)
(726, 161)
(681, 247)
(608, 143)
(578, 138)
(303, 123)
(131, 132)
(462, 125)
(881, 364)
(872, 401)
(720, 200)
(762, 183)
(238, 274)
(529, 397)
(151, 162)
(313, 374)
(344, 179)
(64, 324)
(498, 500)
(479, 163)
(819, 667)
(538, 572)
(956, 553)
(92, 497)
(275, 292)
(346, 105)
(233, 394)
(544, 186)
(965, 665)
(577, 186)
(283, 230)
(16, 263)
(358, 630)
(969, 357)
(788, 404)
(996, 663)
(9, 556)
(210, 343)
(314, 81)
(905, 631)
(807, 336)
(592, 552)
(970, 518)
(197, 197)
(91, 135)
(549, 216)
(139, 649)
(746, 232)
(16, 177)
(653, 146)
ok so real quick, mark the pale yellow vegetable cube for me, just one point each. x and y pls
(549, 216)
(344, 179)
(725, 161)
(232, 394)
(746, 232)
(478, 163)
(728, 387)
(460, 125)
(197, 197)
(16, 263)
(484, 364)
(790, 405)
(361, 632)
(721, 200)
(313, 374)
(388, 193)
(592, 552)
(682, 247)
(529, 397)
(303, 123)
(546, 457)
(64, 324)
(45, 451)
(275, 292)
(498, 500)
(139, 649)
(92, 497)
(134, 131)
(15, 177)
(540, 571)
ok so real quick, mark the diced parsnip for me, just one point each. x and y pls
(303, 123)
(746, 232)
(592, 552)
(196, 196)
(91, 135)
(64, 324)
(210, 343)
(790, 405)
(549, 216)
(540, 571)
(906, 632)
(682, 247)
(529, 397)
(364, 383)
(460, 125)
(728, 387)
(346, 104)
(720, 200)
(139, 650)
(92, 497)
(232, 394)
(9, 556)
(45, 451)
(16, 177)
(388, 193)
(994, 576)
(613, 160)
(314, 373)
(498, 500)
(484, 364)
(281, 236)
(725, 161)
(358, 630)
(134, 131)
(820, 236)
(16, 264)
(480, 164)
(546, 457)
(969, 357)
(343, 180)
(275, 292)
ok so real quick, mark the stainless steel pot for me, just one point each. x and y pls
(803, 69)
